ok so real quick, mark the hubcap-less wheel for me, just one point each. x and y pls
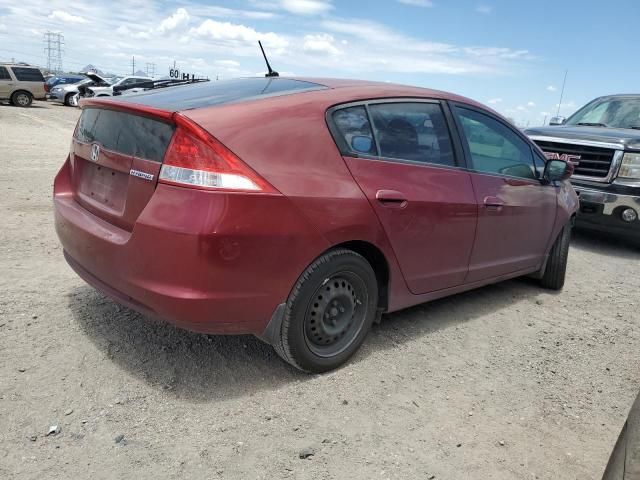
(335, 314)
(328, 313)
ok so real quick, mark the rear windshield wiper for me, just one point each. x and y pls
(590, 124)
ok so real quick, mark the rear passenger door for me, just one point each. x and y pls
(402, 155)
(6, 83)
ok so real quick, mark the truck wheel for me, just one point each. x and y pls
(329, 312)
(22, 99)
(556, 269)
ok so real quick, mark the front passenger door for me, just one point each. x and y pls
(516, 212)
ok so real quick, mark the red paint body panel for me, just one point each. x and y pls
(432, 230)
(221, 262)
(514, 235)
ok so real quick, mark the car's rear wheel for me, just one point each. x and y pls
(556, 268)
(329, 312)
(22, 99)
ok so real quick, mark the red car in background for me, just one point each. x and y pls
(300, 210)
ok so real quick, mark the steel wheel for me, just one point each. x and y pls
(329, 312)
(335, 314)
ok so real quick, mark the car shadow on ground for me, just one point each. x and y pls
(203, 368)
(604, 244)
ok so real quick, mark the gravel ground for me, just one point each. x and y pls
(505, 382)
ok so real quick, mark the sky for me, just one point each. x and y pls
(509, 54)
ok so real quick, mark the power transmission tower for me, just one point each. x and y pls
(151, 69)
(53, 48)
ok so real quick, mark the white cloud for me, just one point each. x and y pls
(551, 88)
(237, 33)
(531, 104)
(323, 43)
(306, 7)
(494, 101)
(66, 17)
(520, 108)
(484, 9)
(417, 3)
(3, 27)
(544, 114)
(179, 19)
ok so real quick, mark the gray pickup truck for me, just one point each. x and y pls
(602, 140)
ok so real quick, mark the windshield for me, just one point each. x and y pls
(611, 112)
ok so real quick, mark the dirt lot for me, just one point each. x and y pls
(506, 382)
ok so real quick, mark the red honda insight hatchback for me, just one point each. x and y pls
(300, 210)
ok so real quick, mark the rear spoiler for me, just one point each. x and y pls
(153, 84)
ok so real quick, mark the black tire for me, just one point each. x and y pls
(22, 99)
(556, 268)
(68, 99)
(329, 312)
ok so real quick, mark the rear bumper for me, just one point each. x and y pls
(602, 211)
(210, 262)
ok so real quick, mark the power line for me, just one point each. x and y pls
(151, 69)
(562, 92)
(53, 48)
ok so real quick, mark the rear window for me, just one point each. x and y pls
(24, 74)
(125, 133)
(217, 93)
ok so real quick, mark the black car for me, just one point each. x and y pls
(602, 140)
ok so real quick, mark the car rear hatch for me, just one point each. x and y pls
(116, 156)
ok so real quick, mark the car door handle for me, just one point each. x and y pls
(391, 198)
(493, 203)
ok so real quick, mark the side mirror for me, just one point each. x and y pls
(557, 171)
(557, 120)
(361, 144)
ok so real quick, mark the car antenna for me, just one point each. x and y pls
(271, 72)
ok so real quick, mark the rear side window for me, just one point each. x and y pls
(24, 74)
(124, 133)
(414, 131)
(354, 128)
(4, 74)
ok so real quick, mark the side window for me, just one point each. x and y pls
(354, 128)
(25, 74)
(4, 74)
(494, 147)
(413, 131)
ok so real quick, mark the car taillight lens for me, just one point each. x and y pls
(195, 158)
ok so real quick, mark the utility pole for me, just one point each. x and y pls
(562, 92)
(133, 65)
(53, 42)
(151, 69)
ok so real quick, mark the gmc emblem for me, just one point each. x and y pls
(565, 157)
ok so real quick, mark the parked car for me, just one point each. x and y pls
(21, 83)
(62, 80)
(102, 90)
(300, 211)
(69, 94)
(602, 140)
(624, 462)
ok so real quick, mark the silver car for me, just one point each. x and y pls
(68, 94)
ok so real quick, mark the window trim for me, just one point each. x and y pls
(9, 72)
(345, 150)
(467, 152)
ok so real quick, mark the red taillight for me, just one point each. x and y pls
(197, 159)
(46, 87)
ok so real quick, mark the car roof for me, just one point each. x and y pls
(326, 90)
